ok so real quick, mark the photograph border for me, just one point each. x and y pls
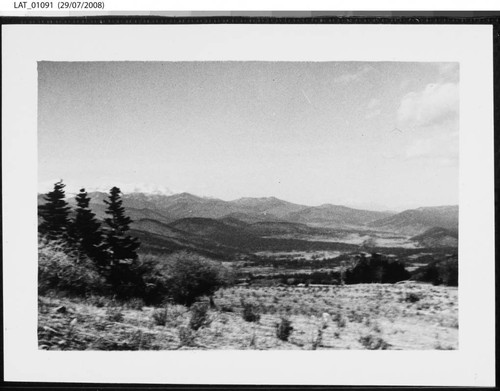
(494, 21)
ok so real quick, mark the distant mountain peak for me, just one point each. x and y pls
(333, 206)
(145, 188)
(185, 195)
(440, 207)
(250, 199)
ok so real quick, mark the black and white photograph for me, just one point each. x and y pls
(256, 204)
(248, 205)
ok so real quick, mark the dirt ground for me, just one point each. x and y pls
(406, 316)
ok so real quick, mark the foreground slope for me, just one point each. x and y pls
(366, 316)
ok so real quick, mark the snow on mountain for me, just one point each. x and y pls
(72, 188)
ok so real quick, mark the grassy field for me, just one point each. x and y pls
(365, 316)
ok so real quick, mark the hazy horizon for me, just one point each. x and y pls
(129, 189)
(369, 135)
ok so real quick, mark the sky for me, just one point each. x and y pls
(372, 135)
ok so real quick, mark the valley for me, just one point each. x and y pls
(268, 239)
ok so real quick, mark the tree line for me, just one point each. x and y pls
(109, 246)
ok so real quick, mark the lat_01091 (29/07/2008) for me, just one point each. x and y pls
(50, 5)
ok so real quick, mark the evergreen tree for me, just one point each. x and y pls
(85, 230)
(122, 271)
(120, 245)
(54, 214)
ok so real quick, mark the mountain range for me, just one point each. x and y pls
(250, 210)
(246, 225)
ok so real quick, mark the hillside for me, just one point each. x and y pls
(217, 230)
(417, 221)
(270, 228)
(366, 316)
(157, 237)
(267, 206)
(251, 218)
(158, 228)
(437, 237)
(250, 239)
(134, 213)
(335, 216)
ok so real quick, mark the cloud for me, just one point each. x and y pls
(373, 113)
(443, 148)
(404, 84)
(148, 188)
(373, 109)
(374, 103)
(449, 70)
(353, 76)
(436, 104)
(348, 77)
(73, 187)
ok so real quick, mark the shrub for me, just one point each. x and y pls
(439, 272)
(449, 272)
(135, 340)
(160, 317)
(376, 269)
(356, 317)
(143, 278)
(126, 278)
(136, 303)
(316, 277)
(114, 315)
(98, 301)
(61, 268)
(192, 276)
(412, 297)
(373, 343)
(438, 346)
(250, 313)
(140, 340)
(253, 341)
(340, 319)
(318, 340)
(177, 314)
(199, 316)
(186, 337)
(284, 329)
(226, 308)
(154, 275)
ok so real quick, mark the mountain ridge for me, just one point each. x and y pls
(170, 208)
(417, 221)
